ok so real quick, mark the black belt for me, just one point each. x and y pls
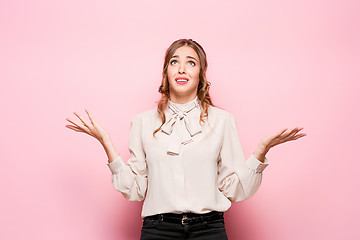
(189, 217)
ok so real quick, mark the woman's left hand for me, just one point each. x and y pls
(282, 136)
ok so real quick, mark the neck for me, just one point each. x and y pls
(182, 99)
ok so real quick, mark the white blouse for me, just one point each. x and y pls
(186, 167)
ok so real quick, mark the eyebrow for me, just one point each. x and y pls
(176, 56)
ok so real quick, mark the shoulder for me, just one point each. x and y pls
(219, 112)
(146, 115)
(220, 118)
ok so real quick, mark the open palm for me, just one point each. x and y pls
(282, 136)
(92, 128)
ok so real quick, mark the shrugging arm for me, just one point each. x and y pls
(131, 179)
(238, 178)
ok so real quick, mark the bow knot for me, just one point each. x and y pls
(181, 114)
(182, 124)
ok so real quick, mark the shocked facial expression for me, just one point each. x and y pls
(183, 73)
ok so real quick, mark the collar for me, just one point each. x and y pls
(182, 124)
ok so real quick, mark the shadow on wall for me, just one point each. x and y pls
(241, 224)
(127, 222)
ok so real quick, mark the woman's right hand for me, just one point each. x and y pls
(92, 128)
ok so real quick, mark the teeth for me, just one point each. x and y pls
(181, 80)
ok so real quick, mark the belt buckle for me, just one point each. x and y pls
(183, 219)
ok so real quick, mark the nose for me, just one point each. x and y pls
(181, 68)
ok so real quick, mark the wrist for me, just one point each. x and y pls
(260, 152)
(262, 148)
(105, 140)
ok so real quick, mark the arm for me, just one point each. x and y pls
(260, 152)
(238, 178)
(129, 178)
(284, 135)
(110, 150)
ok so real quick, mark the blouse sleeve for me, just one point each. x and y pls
(238, 178)
(131, 178)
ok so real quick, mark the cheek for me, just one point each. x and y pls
(170, 72)
(195, 73)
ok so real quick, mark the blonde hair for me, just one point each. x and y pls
(203, 87)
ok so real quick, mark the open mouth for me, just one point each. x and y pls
(181, 80)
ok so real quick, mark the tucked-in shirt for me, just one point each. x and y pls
(188, 166)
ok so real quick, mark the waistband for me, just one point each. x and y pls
(186, 218)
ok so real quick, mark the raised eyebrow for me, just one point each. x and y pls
(176, 56)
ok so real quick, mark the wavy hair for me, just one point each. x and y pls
(203, 87)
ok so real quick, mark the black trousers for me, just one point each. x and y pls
(158, 227)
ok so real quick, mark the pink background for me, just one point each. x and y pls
(273, 64)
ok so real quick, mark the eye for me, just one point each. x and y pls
(172, 61)
(192, 63)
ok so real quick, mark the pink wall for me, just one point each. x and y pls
(273, 64)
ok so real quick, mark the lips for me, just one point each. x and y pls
(181, 79)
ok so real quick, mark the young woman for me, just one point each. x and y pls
(186, 163)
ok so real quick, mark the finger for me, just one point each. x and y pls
(75, 123)
(298, 136)
(78, 126)
(282, 137)
(90, 116)
(86, 123)
(279, 133)
(298, 130)
(79, 129)
(274, 136)
(292, 132)
(285, 136)
(289, 134)
(92, 119)
(295, 131)
(294, 138)
(74, 128)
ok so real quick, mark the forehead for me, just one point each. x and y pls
(186, 51)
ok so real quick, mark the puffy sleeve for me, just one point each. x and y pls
(131, 178)
(238, 178)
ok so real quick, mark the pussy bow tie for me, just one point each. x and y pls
(182, 125)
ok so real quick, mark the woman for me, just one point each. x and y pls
(186, 161)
